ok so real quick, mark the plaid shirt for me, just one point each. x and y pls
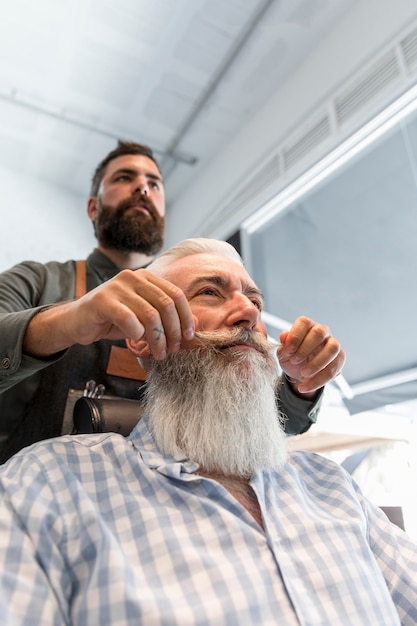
(102, 530)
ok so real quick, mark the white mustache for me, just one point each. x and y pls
(224, 339)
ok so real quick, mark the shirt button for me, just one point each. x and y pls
(5, 363)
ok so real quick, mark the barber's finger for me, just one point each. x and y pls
(177, 308)
(172, 306)
(141, 304)
(109, 319)
(135, 304)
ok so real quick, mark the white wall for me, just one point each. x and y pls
(40, 222)
(366, 30)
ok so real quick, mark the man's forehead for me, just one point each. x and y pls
(133, 161)
(187, 270)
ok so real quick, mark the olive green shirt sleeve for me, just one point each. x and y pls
(26, 289)
(298, 413)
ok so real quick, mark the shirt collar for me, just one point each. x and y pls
(102, 265)
(105, 266)
(178, 466)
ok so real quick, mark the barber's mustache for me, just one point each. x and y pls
(219, 340)
(124, 205)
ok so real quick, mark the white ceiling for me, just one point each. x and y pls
(181, 75)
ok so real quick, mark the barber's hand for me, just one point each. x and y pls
(133, 304)
(309, 355)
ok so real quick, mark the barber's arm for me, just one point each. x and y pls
(35, 333)
(15, 366)
(310, 357)
(24, 289)
(132, 304)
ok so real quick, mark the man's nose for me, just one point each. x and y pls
(243, 312)
(142, 187)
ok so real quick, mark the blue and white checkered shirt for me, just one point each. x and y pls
(102, 530)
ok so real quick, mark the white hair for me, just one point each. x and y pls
(187, 247)
(218, 409)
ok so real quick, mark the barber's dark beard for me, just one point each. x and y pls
(217, 407)
(127, 230)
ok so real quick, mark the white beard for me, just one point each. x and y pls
(218, 407)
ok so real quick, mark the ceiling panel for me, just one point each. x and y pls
(182, 76)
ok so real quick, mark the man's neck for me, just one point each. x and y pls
(126, 260)
(240, 489)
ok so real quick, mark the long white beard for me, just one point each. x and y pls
(218, 407)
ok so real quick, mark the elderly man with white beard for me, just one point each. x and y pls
(200, 516)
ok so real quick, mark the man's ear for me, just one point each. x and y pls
(139, 348)
(92, 208)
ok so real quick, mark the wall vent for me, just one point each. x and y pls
(267, 174)
(408, 47)
(314, 136)
(378, 78)
(383, 79)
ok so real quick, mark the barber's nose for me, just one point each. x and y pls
(142, 187)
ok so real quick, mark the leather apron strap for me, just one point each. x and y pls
(80, 278)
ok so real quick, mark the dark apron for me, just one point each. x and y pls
(79, 365)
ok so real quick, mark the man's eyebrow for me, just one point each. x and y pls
(254, 291)
(221, 281)
(214, 279)
(133, 172)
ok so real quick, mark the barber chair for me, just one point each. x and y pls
(103, 415)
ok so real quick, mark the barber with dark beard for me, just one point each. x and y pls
(50, 353)
(63, 325)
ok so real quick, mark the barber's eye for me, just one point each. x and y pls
(257, 303)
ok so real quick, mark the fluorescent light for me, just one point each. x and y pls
(369, 133)
(399, 378)
(275, 322)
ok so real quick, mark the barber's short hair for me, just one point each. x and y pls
(123, 148)
(187, 247)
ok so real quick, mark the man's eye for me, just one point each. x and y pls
(208, 291)
(257, 303)
(123, 178)
(154, 185)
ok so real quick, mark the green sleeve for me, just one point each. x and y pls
(24, 290)
(298, 413)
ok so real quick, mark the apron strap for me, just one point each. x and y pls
(80, 278)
